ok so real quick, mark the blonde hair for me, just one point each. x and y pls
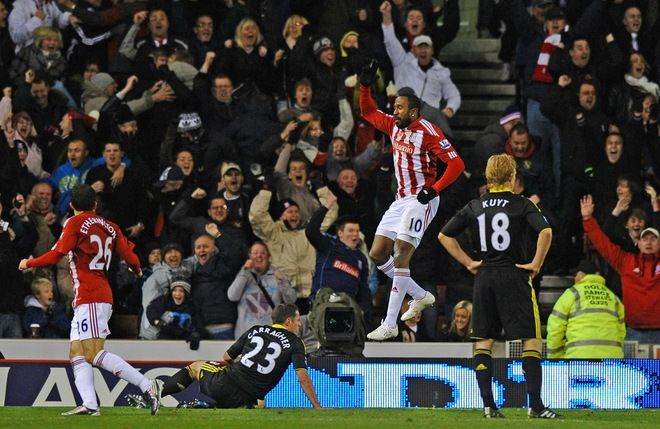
(500, 169)
(37, 283)
(462, 305)
(237, 33)
(41, 33)
(290, 20)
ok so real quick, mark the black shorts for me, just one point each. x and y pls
(504, 298)
(214, 382)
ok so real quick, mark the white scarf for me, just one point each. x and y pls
(644, 85)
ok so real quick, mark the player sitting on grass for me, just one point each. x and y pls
(265, 351)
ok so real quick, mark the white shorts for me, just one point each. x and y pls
(407, 219)
(90, 321)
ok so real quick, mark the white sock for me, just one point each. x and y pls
(397, 294)
(388, 267)
(119, 367)
(415, 290)
(83, 375)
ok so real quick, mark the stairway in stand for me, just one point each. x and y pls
(480, 77)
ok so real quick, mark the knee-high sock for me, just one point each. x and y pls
(83, 376)
(388, 267)
(531, 365)
(483, 368)
(119, 367)
(178, 382)
(415, 290)
(397, 294)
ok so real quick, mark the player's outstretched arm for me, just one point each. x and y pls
(307, 387)
(51, 257)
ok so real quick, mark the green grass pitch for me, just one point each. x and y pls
(171, 418)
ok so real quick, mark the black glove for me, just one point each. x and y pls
(368, 73)
(426, 194)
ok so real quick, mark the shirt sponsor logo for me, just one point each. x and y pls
(347, 268)
(403, 147)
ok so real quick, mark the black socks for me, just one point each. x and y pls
(531, 365)
(483, 361)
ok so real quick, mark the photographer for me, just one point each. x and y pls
(174, 314)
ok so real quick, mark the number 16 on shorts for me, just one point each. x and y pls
(90, 321)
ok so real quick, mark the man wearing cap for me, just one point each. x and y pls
(291, 252)
(190, 136)
(640, 275)
(587, 321)
(100, 94)
(238, 203)
(158, 283)
(418, 70)
(493, 137)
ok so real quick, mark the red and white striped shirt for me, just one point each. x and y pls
(89, 241)
(416, 150)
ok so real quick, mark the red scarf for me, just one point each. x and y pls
(541, 73)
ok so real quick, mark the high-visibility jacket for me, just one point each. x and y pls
(587, 322)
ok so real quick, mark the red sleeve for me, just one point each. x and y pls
(51, 257)
(67, 242)
(370, 112)
(441, 147)
(611, 252)
(124, 248)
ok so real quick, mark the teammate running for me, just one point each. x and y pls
(90, 241)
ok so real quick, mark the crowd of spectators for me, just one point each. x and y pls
(225, 139)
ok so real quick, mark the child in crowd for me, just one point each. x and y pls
(46, 316)
(174, 313)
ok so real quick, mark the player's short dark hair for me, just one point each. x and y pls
(83, 198)
(413, 101)
(281, 312)
(343, 220)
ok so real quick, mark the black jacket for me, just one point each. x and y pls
(582, 132)
(210, 284)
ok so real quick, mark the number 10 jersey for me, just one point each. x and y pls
(266, 352)
(503, 226)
